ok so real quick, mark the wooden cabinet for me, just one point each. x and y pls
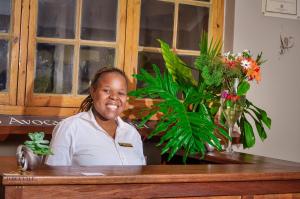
(49, 49)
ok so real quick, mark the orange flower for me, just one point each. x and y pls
(254, 72)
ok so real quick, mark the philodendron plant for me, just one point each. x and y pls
(189, 105)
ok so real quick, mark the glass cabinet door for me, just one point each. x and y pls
(68, 42)
(9, 49)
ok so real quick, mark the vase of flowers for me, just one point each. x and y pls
(239, 70)
(189, 105)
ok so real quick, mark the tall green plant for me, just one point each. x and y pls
(186, 124)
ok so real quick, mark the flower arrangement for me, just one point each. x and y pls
(243, 67)
(190, 105)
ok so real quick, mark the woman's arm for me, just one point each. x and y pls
(62, 145)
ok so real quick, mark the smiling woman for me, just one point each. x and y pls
(97, 135)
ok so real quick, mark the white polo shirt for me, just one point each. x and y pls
(80, 140)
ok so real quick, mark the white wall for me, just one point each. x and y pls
(279, 91)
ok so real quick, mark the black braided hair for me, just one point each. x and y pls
(87, 103)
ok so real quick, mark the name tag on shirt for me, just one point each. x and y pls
(124, 144)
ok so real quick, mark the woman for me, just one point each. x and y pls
(97, 135)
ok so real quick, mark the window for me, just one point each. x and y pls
(69, 41)
(180, 23)
(50, 49)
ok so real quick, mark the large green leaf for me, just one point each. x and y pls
(175, 66)
(247, 132)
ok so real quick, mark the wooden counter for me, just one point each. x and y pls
(250, 177)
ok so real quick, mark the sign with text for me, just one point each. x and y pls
(23, 120)
(281, 8)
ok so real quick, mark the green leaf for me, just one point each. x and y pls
(265, 118)
(260, 114)
(243, 88)
(248, 133)
(261, 131)
(175, 66)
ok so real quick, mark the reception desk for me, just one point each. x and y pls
(238, 175)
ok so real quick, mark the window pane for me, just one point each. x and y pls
(145, 61)
(56, 18)
(156, 22)
(5, 12)
(54, 66)
(193, 20)
(99, 19)
(91, 60)
(3, 65)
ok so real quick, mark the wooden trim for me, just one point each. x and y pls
(172, 1)
(4, 98)
(187, 52)
(31, 52)
(4, 36)
(132, 40)
(77, 47)
(23, 53)
(178, 51)
(14, 51)
(217, 19)
(149, 49)
(195, 3)
(75, 41)
(56, 100)
(98, 43)
(38, 111)
(120, 36)
(55, 40)
(175, 25)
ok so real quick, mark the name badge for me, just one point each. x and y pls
(123, 144)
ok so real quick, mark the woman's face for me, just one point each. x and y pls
(110, 95)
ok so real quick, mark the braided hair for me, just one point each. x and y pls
(87, 103)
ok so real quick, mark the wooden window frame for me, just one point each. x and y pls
(73, 99)
(13, 37)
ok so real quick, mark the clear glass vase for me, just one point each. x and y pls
(231, 111)
(232, 108)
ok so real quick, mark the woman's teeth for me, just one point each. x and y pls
(111, 106)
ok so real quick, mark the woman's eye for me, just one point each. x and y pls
(121, 93)
(106, 90)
